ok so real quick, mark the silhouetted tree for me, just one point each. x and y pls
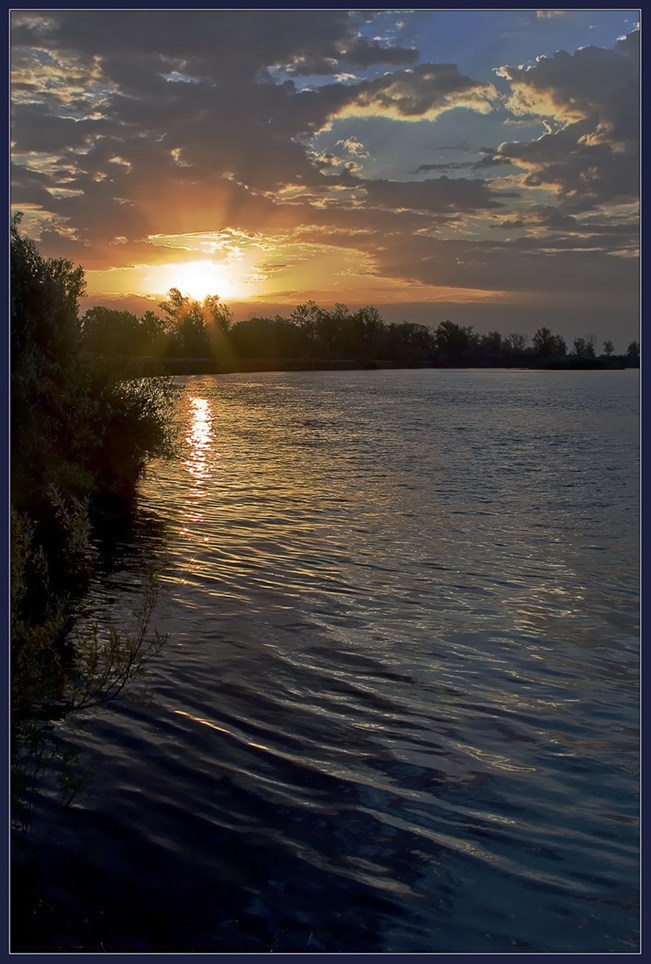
(269, 338)
(366, 328)
(517, 342)
(408, 343)
(452, 342)
(188, 326)
(584, 348)
(633, 354)
(216, 314)
(155, 333)
(491, 348)
(110, 332)
(548, 347)
(307, 318)
(45, 328)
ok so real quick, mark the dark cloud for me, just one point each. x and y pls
(35, 128)
(442, 194)
(559, 229)
(482, 164)
(364, 53)
(490, 161)
(444, 167)
(205, 43)
(543, 216)
(358, 53)
(516, 266)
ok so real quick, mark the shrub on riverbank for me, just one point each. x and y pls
(81, 436)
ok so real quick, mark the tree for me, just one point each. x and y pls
(109, 331)
(609, 348)
(633, 354)
(452, 342)
(547, 346)
(154, 333)
(216, 314)
(218, 320)
(408, 342)
(307, 318)
(333, 332)
(584, 347)
(45, 327)
(188, 324)
(198, 329)
(491, 348)
(45, 340)
(365, 331)
(517, 342)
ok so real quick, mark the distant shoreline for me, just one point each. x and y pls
(150, 366)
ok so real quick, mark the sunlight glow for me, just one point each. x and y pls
(197, 279)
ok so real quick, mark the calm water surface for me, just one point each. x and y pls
(398, 707)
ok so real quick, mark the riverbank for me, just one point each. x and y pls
(149, 366)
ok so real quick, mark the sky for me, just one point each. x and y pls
(480, 166)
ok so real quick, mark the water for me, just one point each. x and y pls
(398, 707)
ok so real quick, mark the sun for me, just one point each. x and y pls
(195, 279)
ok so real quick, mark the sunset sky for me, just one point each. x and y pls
(480, 166)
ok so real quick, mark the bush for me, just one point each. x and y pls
(81, 436)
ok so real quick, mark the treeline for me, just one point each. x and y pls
(190, 329)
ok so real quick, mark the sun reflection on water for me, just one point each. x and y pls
(199, 437)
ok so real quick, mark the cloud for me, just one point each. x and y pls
(437, 195)
(589, 102)
(356, 53)
(518, 266)
(425, 91)
(36, 128)
(354, 147)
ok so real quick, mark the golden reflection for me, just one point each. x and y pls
(199, 438)
(221, 729)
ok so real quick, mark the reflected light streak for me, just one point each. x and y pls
(199, 438)
(220, 729)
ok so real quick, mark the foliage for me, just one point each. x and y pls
(81, 436)
(107, 331)
(548, 347)
(452, 343)
(584, 347)
(66, 412)
(45, 330)
(267, 338)
(104, 660)
(197, 328)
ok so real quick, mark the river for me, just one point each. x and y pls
(398, 708)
